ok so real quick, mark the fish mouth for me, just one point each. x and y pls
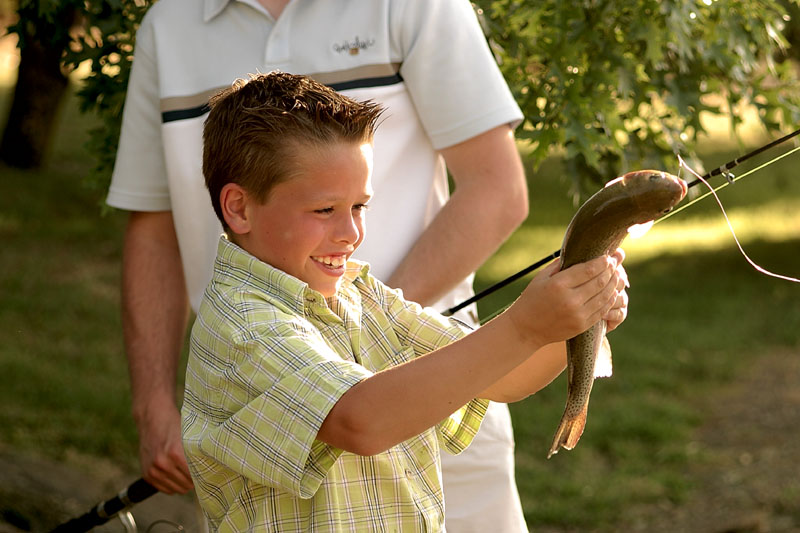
(680, 182)
(684, 187)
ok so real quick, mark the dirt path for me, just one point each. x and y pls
(749, 484)
(38, 494)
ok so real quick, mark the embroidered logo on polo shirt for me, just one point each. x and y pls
(353, 47)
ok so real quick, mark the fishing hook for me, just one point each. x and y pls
(723, 170)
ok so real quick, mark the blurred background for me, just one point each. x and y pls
(697, 431)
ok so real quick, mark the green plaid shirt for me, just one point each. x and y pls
(269, 358)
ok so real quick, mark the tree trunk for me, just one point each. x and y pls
(41, 85)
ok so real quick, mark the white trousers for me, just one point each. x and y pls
(480, 491)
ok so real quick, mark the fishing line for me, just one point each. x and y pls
(683, 164)
(726, 168)
(732, 179)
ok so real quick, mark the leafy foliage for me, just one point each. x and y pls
(107, 42)
(103, 34)
(622, 83)
(616, 84)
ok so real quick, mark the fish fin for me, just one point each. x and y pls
(569, 431)
(602, 364)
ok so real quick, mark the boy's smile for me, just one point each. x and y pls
(312, 222)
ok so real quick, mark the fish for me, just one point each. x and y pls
(598, 228)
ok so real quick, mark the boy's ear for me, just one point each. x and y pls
(233, 200)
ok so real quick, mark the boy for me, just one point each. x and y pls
(316, 397)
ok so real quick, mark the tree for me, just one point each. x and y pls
(55, 36)
(620, 84)
(108, 44)
(41, 82)
(615, 84)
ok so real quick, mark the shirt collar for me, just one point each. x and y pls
(212, 8)
(235, 265)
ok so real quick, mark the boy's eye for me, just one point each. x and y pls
(328, 210)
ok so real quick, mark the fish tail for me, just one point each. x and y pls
(569, 431)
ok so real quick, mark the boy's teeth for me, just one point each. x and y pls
(331, 260)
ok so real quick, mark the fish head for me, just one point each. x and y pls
(653, 192)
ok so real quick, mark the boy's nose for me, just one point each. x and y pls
(348, 230)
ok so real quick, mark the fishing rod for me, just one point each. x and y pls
(136, 492)
(724, 170)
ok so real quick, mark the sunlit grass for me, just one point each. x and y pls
(772, 222)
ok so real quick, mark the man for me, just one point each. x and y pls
(429, 65)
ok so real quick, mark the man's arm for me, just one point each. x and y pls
(155, 311)
(489, 201)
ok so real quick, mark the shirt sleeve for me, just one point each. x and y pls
(425, 330)
(450, 72)
(139, 181)
(272, 438)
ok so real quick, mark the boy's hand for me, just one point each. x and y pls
(619, 311)
(558, 305)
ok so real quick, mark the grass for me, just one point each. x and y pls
(63, 377)
(698, 316)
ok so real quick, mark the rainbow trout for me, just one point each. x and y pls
(598, 228)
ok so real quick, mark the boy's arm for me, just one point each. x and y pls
(534, 374)
(398, 403)
(549, 361)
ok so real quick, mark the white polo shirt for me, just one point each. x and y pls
(426, 61)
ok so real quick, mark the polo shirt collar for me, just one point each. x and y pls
(212, 8)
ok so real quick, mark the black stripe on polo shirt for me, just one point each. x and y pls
(381, 81)
(184, 114)
(363, 83)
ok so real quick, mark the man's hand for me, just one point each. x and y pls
(161, 451)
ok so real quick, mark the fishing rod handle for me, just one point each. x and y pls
(134, 493)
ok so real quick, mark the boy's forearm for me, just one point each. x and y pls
(400, 402)
(531, 376)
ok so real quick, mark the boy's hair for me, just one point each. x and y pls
(258, 129)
